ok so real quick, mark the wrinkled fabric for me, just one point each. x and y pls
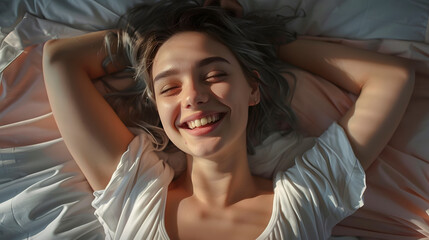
(324, 186)
(43, 194)
(397, 180)
(363, 19)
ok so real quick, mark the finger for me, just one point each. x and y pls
(211, 3)
(232, 5)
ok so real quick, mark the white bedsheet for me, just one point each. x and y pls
(43, 194)
(355, 19)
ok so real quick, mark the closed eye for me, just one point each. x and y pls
(214, 77)
(169, 90)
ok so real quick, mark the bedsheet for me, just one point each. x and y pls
(396, 201)
(43, 194)
(363, 19)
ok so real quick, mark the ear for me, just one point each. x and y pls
(255, 95)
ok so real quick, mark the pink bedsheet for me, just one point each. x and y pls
(43, 194)
(25, 114)
(397, 197)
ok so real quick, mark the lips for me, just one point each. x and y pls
(203, 121)
(201, 124)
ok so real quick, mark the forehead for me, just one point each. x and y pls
(188, 47)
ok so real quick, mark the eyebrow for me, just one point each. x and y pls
(201, 63)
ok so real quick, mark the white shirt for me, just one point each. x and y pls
(322, 186)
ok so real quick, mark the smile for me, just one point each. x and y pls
(203, 121)
(203, 125)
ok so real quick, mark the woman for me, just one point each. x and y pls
(212, 83)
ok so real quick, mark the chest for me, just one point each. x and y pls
(185, 219)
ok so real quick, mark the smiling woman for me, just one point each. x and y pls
(144, 33)
(211, 84)
(196, 91)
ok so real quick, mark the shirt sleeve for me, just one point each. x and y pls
(136, 185)
(325, 185)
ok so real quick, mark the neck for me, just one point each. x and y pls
(222, 181)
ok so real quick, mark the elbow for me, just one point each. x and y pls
(406, 75)
(399, 78)
(49, 50)
(406, 72)
(54, 52)
(409, 73)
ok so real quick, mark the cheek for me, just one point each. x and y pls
(167, 113)
(222, 91)
(234, 96)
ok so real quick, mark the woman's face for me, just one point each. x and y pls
(202, 95)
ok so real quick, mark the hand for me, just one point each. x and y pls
(232, 6)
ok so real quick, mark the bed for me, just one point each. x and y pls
(43, 194)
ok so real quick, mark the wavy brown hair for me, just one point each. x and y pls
(252, 39)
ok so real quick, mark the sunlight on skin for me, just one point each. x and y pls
(381, 82)
(218, 97)
(359, 77)
(368, 108)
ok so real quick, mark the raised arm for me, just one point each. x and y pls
(384, 85)
(93, 133)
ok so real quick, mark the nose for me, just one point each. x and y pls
(195, 93)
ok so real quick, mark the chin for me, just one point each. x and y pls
(204, 150)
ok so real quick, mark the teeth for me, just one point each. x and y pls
(203, 121)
